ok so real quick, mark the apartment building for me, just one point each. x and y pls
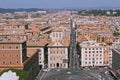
(58, 48)
(42, 51)
(108, 56)
(116, 43)
(58, 55)
(12, 53)
(95, 54)
(57, 34)
(92, 54)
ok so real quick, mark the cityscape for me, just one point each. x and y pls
(53, 42)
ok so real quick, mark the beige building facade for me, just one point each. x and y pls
(93, 54)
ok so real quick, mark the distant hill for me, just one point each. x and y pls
(2, 10)
(100, 12)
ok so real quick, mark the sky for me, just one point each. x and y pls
(59, 3)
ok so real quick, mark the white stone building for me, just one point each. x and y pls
(58, 48)
(92, 54)
(57, 55)
(58, 34)
(116, 43)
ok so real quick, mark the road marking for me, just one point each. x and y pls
(42, 76)
(69, 77)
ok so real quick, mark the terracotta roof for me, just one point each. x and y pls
(12, 41)
(58, 30)
(39, 43)
(81, 39)
(63, 43)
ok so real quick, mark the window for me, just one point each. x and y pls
(96, 62)
(61, 64)
(93, 52)
(39, 61)
(89, 51)
(85, 51)
(3, 55)
(16, 47)
(100, 62)
(53, 35)
(50, 65)
(9, 47)
(3, 47)
(56, 34)
(93, 48)
(17, 55)
(85, 58)
(10, 55)
(17, 61)
(85, 48)
(64, 65)
(10, 62)
(3, 62)
(39, 57)
(89, 62)
(89, 48)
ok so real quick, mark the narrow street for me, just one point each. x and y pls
(72, 56)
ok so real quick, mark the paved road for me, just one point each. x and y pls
(75, 74)
(68, 74)
(72, 56)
